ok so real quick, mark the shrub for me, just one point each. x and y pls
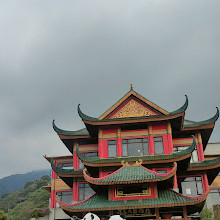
(36, 213)
(206, 214)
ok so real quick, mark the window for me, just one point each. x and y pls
(85, 191)
(192, 186)
(65, 196)
(135, 147)
(158, 145)
(215, 196)
(88, 154)
(65, 165)
(112, 148)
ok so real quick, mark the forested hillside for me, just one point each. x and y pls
(18, 181)
(18, 204)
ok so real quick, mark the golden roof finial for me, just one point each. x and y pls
(131, 86)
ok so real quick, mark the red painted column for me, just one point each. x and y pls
(151, 140)
(118, 142)
(53, 192)
(200, 147)
(206, 182)
(52, 199)
(169, 137)
(175, 185)
(75, 157)
(166, 145)
(75, 189)
(100, 143)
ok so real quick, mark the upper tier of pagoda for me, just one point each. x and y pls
(134, 109)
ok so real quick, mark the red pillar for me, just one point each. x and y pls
(100, 143)
(118, 142)
(200, 147)
(151, 140)
(169, 137)
(175, 185)
(53, 192)
(75, 191)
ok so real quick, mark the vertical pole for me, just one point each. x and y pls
(157, 213)
(75, 158)
(184, 213)
(150, 139)
(200, 147)
(175, 185)
(169, 137)
(75, 197)
(100, 147)
(119, 144)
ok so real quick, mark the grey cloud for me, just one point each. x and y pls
(57, 54)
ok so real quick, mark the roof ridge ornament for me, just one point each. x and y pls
(127, 164)
(131, 86)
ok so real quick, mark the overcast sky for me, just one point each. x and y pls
(55, 54)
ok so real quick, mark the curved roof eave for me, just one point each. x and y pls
(88, 119)
(193, 124)
(205, 165)
(81, 132)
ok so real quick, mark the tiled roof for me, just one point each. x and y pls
(92, 119)
(189, 124)
(97, 160)
(65, 171)
(206, 163)
(81, 132)
(166, 198)
(130, 174)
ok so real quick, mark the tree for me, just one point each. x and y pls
(3, 216)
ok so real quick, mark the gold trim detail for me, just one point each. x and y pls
(133, 109)
(126, 164)
(145, 192)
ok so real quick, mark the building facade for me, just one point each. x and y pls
(136, 159)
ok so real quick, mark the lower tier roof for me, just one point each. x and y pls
(100, 202)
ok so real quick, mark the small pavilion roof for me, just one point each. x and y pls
(100, 202)
(128, 174)
(147, 159)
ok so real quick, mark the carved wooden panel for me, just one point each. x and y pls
(133, 109)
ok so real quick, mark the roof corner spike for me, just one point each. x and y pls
(182, 108)
(79, 111)
(217, 113)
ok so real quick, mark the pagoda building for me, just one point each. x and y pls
(136, 159)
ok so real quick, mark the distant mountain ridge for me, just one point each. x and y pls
(18, 181)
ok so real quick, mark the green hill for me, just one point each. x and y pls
(14, 182)
(18, 203)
